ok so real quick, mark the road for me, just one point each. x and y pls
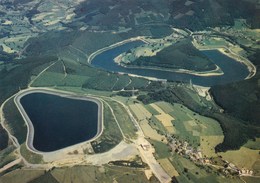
(11, 164)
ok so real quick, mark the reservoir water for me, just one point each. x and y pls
(233, 70)
(60, 122)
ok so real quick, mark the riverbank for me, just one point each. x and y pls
(226, 51)
(215, 72)
(93, 55)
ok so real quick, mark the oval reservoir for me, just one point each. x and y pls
(59, 121)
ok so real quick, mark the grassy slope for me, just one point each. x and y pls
(111, 135)
(14, 121)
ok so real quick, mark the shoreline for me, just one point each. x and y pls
(29, 124)
(94, 54)
(215, 72)
(222, 49)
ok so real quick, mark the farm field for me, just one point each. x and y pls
(243, 158)
(140, 112)
(168, 167)
(149, 132)
(193, 127)
(143, 115)
(123, 118)
(189, 126)
(164, 118)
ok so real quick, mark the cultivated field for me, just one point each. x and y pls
(150, 132)
(166, 107)
(193, 127)
(168, 167)
(123, 118)
(140, 112)
(163, 117)
(143, 115)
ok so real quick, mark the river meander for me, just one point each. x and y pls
(233, 70)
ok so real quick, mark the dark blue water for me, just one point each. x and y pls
(60, 122)
(233, 70)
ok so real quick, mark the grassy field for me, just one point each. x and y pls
(145, 120)
(251, 179)
(162, 150)
(21, 176)
(49, 79)
(111, 135)
(243, 158)
(165, 119)
(30, 156)
(166, 107)
(151, 110)
(253, 144)
(46, 177)
(79, 174)
(140, 112)
(168, 167)
(157, 125)
(123, 118)
(150, 132)
(256, 167)
(208, 144)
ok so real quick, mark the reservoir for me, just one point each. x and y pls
(233, 70)
(59, 121)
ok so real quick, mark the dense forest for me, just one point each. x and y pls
(181, 55)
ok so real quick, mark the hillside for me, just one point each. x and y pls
(182, 55)
(241, 99)
(193, 14)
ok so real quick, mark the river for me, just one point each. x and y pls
(233, 70)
